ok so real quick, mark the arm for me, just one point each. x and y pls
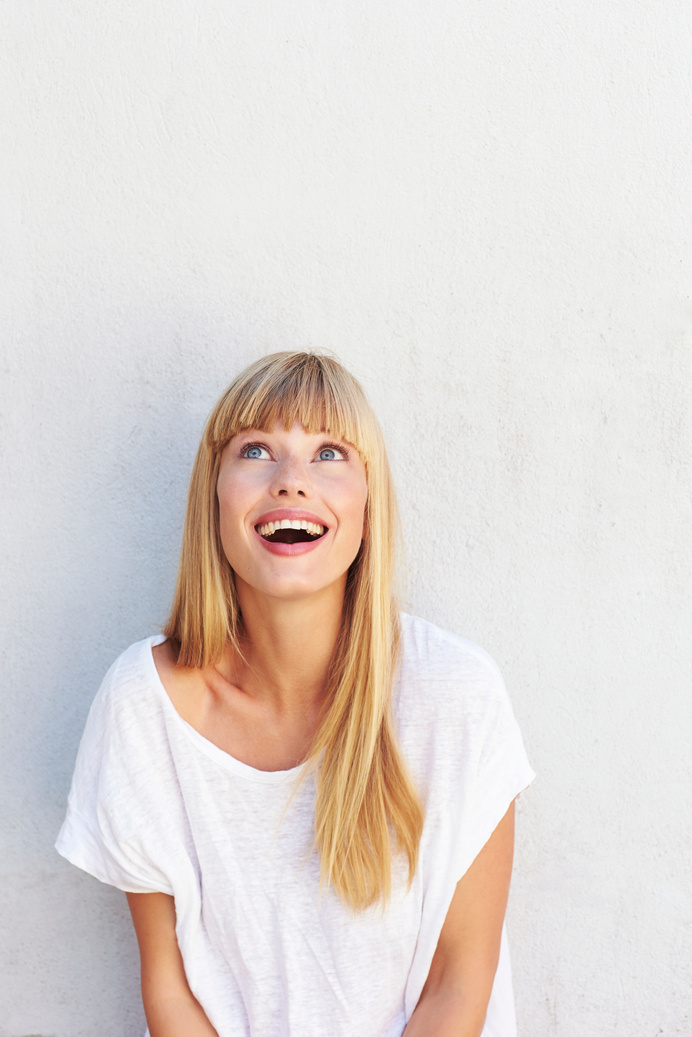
(169, 1004)
(455, 997)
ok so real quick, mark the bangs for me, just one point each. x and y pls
(307, 388)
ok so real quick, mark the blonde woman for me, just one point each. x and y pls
(307, 797)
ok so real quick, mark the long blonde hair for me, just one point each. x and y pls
(366, 799)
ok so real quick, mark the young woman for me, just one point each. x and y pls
(307, 797)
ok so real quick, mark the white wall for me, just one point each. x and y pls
(484, 208)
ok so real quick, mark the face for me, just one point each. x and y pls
(291, 510)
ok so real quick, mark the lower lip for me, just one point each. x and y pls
(289, 549)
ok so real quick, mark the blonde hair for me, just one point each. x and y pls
(366, 799)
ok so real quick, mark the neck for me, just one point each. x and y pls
(287, 646)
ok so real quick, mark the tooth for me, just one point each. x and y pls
(313, 528)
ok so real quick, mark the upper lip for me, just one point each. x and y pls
(289, 513)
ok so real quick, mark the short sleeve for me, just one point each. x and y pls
(117, 803)
(499, 769)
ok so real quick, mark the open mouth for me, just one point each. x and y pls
(291, 531)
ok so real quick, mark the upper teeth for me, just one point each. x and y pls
(267, 528)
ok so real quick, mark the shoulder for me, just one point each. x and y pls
(448, 688)
(133, 670)
(128, 694)
(436, 658)
(454, 717)
(125, 731)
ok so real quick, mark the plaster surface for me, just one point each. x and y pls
(484, 210)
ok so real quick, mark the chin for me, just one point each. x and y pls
(292, 588)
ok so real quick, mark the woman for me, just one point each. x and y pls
(307, 798)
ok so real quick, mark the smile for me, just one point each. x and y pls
(290, 531)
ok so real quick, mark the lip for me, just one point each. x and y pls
(289, 513)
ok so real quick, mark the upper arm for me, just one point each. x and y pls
(163, 972)
(469, 945)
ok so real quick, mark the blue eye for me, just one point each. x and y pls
(255, 452)
(331, 453)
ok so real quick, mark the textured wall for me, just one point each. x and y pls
(484, 209)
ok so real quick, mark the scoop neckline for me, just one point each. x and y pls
(218, 755)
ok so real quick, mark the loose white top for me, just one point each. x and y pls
(155, 806)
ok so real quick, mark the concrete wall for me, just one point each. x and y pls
(484, 209)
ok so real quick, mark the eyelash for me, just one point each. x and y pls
(325, 446)
(335, 446)
(251, 446)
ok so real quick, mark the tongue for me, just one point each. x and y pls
(290, 536)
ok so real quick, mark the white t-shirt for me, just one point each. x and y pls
(155, 806)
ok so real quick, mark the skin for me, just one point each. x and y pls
(264, 711)
(292, 469)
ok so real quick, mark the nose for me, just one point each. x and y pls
(291, 479)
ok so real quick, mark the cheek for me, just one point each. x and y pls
(229, 495)
(233, 493)
(225, 514)
(227, 534)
